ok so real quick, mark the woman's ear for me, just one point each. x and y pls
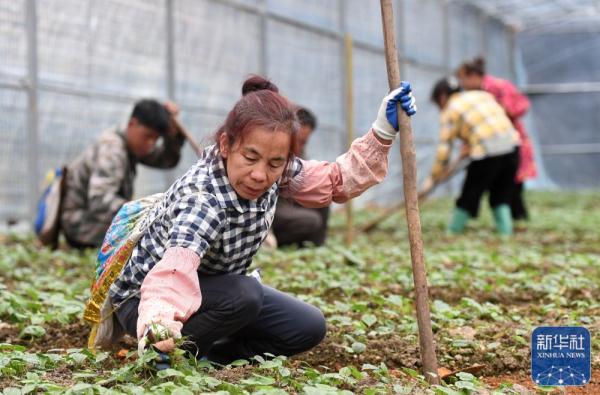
(224, 145)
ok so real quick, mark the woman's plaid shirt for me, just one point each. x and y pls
(477, 119)
(202, 212)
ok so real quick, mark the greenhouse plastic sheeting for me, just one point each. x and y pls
(565, 125)
(95, 58)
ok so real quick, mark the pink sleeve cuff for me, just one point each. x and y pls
(170, 292)
(364, 165)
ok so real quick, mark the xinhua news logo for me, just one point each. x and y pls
(560, 355)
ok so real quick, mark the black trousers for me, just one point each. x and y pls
(518, 208)
(496, 175)
(297, 225)
(240, 318)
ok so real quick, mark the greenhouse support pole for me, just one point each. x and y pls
(349, 126)
(170, 175)
(263, 58)
(409, 174)
(172, 83)
(32, 110)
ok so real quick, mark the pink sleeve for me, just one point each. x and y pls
(170, 292)
(514, 102)
(319, 183)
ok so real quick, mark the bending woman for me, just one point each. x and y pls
(472, 75)
(491, 142)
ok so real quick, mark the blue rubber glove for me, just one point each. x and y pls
(386, 124)
(162, 361)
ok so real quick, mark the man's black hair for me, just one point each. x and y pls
(306, 118)
(152, 114)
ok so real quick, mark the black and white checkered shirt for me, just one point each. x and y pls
(202, 212)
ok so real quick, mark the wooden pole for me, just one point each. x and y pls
(372, 225)
(453, 169)
(181, 129)
(349, 126)
(409, 174)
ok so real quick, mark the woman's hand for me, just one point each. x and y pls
(158, 336)
(386, 124)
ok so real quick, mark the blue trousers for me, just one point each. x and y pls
(240, 318)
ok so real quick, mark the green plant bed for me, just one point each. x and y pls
(487, 294)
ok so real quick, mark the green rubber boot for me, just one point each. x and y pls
(503, 219)
(458, 221)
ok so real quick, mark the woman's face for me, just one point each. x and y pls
(442, 101)
(469, 81)
(255, 162)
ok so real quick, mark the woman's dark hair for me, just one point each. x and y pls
(261, 105)
(153, 115)
(475, 66)
(444, 87)
(257, 83)
(306, 118)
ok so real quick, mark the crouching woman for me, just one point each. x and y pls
(186, 275)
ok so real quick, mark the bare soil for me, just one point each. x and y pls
(57, 336)
(523, 380)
